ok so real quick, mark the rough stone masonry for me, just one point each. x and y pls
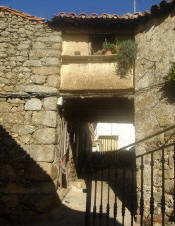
(153, 111)
(29, 82)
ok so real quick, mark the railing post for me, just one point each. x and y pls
(174, 180)
(132, 196)
(123, 197)
(163, 188)
(115, 201)
(142, 193)
(88, 200)
(152, 194)
(95, 200)
(108, 206)
(101, 200)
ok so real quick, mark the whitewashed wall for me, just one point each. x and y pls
(125, 132)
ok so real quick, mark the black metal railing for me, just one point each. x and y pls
(129, 189)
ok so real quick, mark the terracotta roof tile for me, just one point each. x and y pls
(128, 16)
(70, 17)
(22, 14)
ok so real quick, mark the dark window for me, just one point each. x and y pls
(97, 42)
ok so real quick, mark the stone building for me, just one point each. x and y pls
(54, 81)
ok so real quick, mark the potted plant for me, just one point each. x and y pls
(109, 48)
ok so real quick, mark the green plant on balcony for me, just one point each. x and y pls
(126, 56)
(108, 46)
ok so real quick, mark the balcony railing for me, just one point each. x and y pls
(127, 188)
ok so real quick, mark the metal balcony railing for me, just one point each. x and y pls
(126, 188)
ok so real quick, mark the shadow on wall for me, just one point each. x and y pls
(26, 190)
(27, 193)
(168, 91)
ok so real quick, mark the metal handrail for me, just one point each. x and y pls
(146, 138)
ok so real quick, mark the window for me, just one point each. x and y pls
(97, 42)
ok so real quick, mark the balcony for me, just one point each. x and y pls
(93, 74)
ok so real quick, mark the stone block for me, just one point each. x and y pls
(40, 153)
(25, 139)
(23, 46)
(32, 63)
(52, 61)
(37, 79)
(50, 103)
(38, 45)
(47, 187)
(4, 107)
(11, 202)
(38, 53)
(38, 89)
(55, 38)
(53, 81)
(45, 136)
(33, 104)
(9, 88)
(169, 174)
(47, 118)
(15, 101)
(40, 171)
(7, 172)
(2, 26)
(4, 80)
(26, 129)
(46, 70)
(56, 46)
(13, 118)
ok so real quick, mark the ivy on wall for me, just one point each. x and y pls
(169, 85)
(126, 56)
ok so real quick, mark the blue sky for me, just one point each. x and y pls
(48, 8)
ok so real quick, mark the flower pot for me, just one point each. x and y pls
(108, 52)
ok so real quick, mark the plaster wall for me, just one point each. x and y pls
(124, 132)
(75, 42)
(100, 75)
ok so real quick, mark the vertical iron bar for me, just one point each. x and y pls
(115, 187)
(142, 193)
(108, 206)
(123, 198)
(61, 152)
(174, 180)
(101, 200)
(132, 195)
(95, 200)
(152, 194)
(88, 201)
(163, 188)
(115, 191)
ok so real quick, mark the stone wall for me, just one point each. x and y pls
(29, 82)
(153, 111)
